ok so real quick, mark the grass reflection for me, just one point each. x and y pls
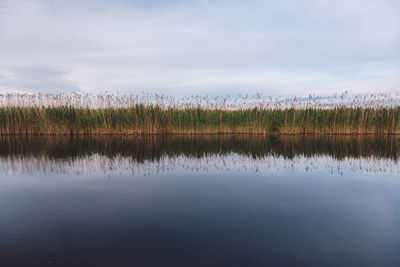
(223, 151)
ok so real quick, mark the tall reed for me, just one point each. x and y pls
(158, 114)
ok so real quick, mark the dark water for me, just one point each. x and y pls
(200, 201)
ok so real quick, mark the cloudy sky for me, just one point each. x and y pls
(186, 47)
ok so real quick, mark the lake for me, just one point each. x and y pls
(200, 201)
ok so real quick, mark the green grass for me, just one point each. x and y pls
(157, 119)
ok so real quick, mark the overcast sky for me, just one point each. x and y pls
(200, 47)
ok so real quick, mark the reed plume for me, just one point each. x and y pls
(158, 114)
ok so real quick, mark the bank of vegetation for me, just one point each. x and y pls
(88, 115)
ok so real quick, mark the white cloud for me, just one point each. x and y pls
(36, 78)
(289, 47)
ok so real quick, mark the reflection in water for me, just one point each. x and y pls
(217, 201)
(113, 155)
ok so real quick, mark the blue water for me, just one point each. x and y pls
(226, 209)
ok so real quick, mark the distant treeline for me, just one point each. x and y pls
(153, 148)
(141, 119)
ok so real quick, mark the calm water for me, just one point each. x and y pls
(199, 201)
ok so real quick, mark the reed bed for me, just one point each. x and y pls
(86, 114)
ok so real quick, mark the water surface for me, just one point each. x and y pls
(199, 201)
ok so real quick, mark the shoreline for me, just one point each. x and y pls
(208, 134)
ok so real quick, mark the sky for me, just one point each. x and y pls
(180, 47)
